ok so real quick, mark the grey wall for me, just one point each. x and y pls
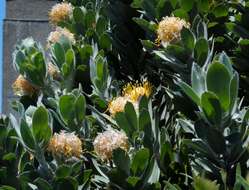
(24, 18)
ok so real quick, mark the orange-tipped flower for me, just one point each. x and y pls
(105, 143)
(60, 12)
(131, 93)
(169, 29)
(23, 87)
(65, 145)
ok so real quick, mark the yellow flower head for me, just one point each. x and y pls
(134, 91)
(169, 29)
(60, 12)
(58, 33)
(105, 143)
(23, 87)
(65, 145)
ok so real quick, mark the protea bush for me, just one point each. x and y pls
(132, 95)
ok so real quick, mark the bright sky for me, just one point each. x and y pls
(2, 14)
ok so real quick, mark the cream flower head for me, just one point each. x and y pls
(65, 145)
(58, 33)
(60, 12)
(23, 87)
(169, 29)
(105, 143)
(117, 105)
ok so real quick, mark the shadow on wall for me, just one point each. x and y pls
(2, 15)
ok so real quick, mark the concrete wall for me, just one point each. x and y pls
(24, 18)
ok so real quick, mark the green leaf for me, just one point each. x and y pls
(19, 60)
(170, 186)
(188, 39)
(148, 45)
(198, 79)
(102, 25)
(224, 59)
(78, 15)
(140, 161)
(90, 18)
(105, 41)
(131, 115)
(190, 92)
(40, 64)
(220, 11)
(9, 157)
(205, 184)
(40, 125)
(27, 135)
(124, 124)
(133, 180)
(146, 25)
(122, 161)
(201, 51)
(58, 54)
(216, 141)
(66, 183)
(187, 5)
(80, 108)
(234, 90)
(173, 3)
(42, 184)
(218, 82)
(87, 175)
(66, 103)
(180, 13)
(203, 5)
(155, 172)
(63, 171)
(241, 181)
(70, 58)
(5, 187)
(211, 107)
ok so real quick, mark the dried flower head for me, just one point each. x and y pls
(60, 12)
(56, 35)
(23, 87)
(134, 91)
(105, 143)
(169, 29)
(65, 145)
(53, 71)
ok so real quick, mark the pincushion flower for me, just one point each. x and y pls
(131, 93)
(56, 35)
(23, 87)
(169, 29)
(117, 105)
(105, 143)
(134, 91)
(65, 145)
(60, 12)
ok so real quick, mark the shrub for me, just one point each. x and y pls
(142, 94)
